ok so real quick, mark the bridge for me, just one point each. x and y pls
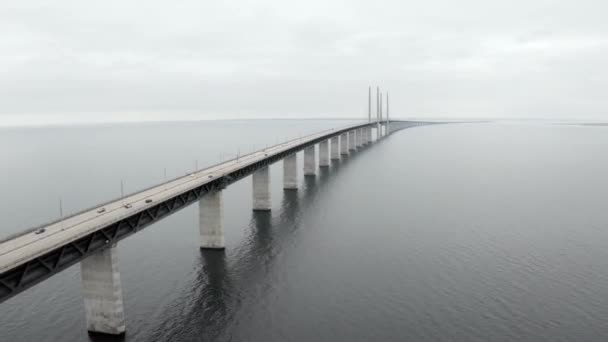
(90, 237)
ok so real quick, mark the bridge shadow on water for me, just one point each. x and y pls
(226, 279)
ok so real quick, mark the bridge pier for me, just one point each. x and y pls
(103, 293)
(344, 143)
(310, 161)
(335, 148)
(261, 189)
(211, 220)
(369, 134)
(363, 136)
(351, 141)
(324, 153)
(290, 172)
(359, 138)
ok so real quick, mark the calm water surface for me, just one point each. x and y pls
(459, 232)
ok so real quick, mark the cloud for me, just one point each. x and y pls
(77, 60)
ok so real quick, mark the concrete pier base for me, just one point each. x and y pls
(310, 161)
(363, 136)
(359, 138)
(290, 172)
(103, 293)
(369, 135)
(324, 153)
(261, 189)
(335, 148)
(211, 220)
(351, 141)
(344, 143)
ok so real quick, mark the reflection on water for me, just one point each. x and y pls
(206, 307)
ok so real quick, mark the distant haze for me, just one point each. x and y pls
(81, 61)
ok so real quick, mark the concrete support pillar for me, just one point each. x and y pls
(335, 148)
(359, 136)
(310, 161)
(344, 143)
(369, 135)
(103, 293)
(290, 172)
(211, 220)
(351, 141)
(324, 153)
(363, 136)
(261, 189)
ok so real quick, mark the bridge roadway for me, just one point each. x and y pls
(30, 258)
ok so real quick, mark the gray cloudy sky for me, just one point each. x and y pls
(118, 60)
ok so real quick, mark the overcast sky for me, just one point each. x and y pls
(118, 60)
